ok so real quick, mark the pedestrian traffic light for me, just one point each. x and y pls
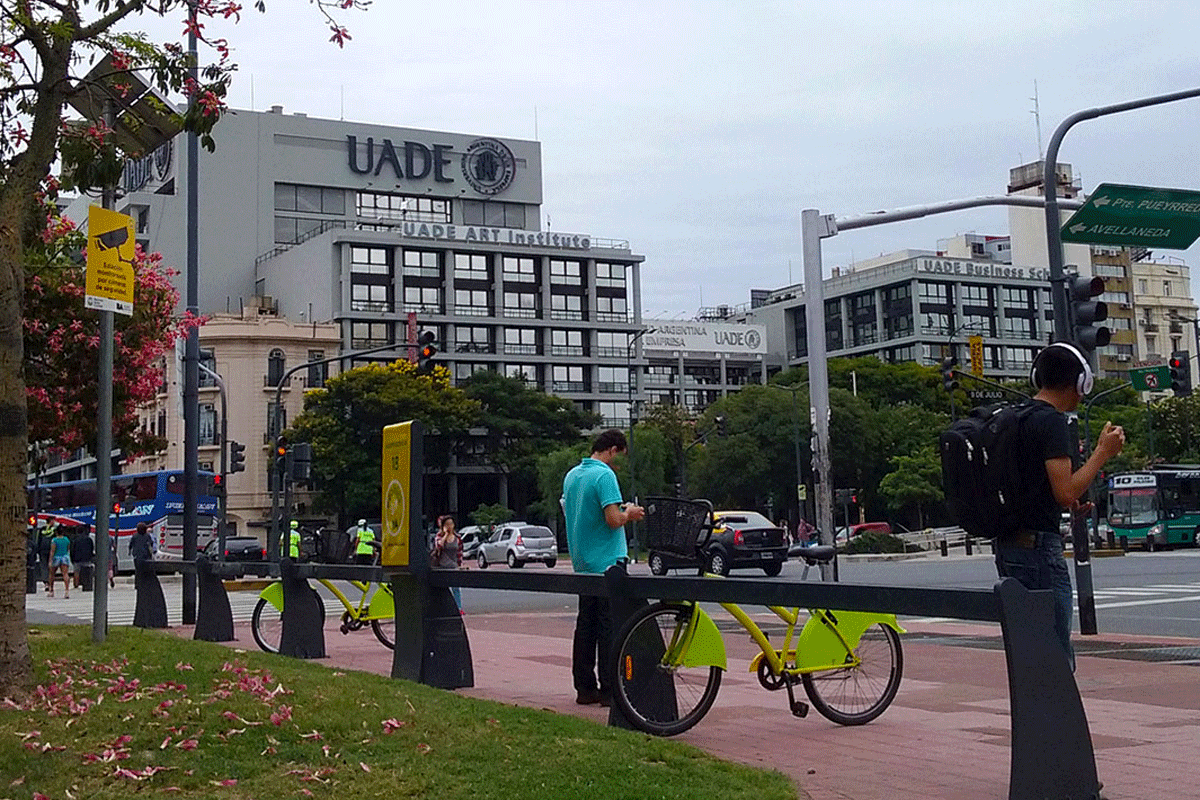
(237, 456)
(720, 420)
(425, 352)
(949, 380)
(218, 485)
(1181, 373)
(301, 463)
(1085, 312)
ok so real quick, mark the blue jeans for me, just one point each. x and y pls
(1042, 567)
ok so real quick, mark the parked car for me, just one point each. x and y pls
(740, 540)
(472, 536)
(237, 548)
(518, 543)
(843, 535)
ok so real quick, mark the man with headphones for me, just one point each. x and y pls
(1033, 553)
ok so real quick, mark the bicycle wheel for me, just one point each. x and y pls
(656, 697)
(385, 631)
(857, 695)
(266, 624)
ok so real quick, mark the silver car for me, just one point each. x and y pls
(517, 543)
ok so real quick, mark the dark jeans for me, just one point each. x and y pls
(593, 640)
(1042, 567)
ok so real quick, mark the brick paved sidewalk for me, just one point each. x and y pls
(946, 735)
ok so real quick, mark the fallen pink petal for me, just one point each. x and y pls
(365, 767)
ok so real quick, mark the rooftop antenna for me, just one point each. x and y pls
(1037, 116)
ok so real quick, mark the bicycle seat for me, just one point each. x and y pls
(816, 553)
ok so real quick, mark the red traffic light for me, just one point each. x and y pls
(117, 508)
(428, 351)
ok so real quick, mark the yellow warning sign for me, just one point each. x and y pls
(397, 491)
(110, 251)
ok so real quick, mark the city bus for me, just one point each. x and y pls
(1162, 502)
(155, 498)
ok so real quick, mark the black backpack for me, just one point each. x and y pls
(981, 470)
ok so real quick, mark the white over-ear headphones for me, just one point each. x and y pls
(1083, 384)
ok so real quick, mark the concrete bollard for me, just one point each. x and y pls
(1125, 544)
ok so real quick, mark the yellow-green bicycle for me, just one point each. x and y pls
(669, 656)
(375, 607)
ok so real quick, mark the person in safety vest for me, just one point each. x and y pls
(364, 544)
(294, 541)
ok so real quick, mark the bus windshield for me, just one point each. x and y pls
(1132, 507)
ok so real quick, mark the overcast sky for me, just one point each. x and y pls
(699, 130)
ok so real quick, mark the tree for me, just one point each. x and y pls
(42, 44)
(522, 423)
(915, 480)
(344, 422)
(551, 469)
(62, 346)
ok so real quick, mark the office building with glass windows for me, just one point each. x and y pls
(388, 232)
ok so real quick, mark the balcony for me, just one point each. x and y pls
(473, 311)
(562, 313)
(521, 313)
(576, 387)
(520, 349)
(612, 388)
(567, 350)
(474, 347)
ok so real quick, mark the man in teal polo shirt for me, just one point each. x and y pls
(596, 520)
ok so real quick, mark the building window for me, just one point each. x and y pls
(520, 341)
(472, 302)
(520, 269)
(833, 324)
(1115, 297)
(208, 425)
(1166, 288)
(209, 360)
(614, 415)
(566, 343)
(613, 380)
(610, 274)
(520, 304)
(1018, 327)
(493, 214)
(978, 325)
(527, 372)
(568, 379)
(566, 273)
(932, 292)
(1143, 286)
(423, 299)
(371, 279)
(1151, 344)
(610, 309)
(370, 334)
(400, 208)
(566, 306)
(469, 339)
(425, 263)
(613, 345)
(317, 373)
(276, 366)
(161, 423)
(309, 199)
(1017, 298)
(471, 267)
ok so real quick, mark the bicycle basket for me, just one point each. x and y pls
(674, 525)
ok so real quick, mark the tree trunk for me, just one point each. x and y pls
(19, 226)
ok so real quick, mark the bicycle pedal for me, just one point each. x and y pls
(345, 629)
(799, 709)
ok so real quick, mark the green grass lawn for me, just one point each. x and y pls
(147, 714)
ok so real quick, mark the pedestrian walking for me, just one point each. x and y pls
(1033, 552)
(141, 545)
(83, 552)
(60, 561)
(596, 519)
(45, 536)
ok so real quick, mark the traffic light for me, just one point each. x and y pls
(281, 454)
(720, 420)
(1181, 373)
(218, 485)
(237, 456)
(301, 465)
(1084, 313)
(425, 352)
(949, 380)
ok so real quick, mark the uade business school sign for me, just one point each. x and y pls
(1136, 216)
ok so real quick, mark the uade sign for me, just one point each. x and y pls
(1137, 216)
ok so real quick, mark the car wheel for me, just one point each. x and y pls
(772, 570)
(657, 565)
(551, 562)
(482, 560)
(718, 564)
(513, 563)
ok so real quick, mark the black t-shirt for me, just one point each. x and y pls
(1044, 436)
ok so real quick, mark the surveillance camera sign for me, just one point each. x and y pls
(110, 251)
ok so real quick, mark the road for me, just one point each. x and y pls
(1141, 593)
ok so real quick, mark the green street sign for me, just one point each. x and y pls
(1137, 216)
(1155, 378)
